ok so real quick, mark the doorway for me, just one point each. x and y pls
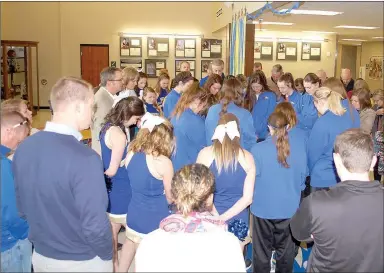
(348, 58)
(93, 58)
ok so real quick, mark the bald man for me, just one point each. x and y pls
(16, 249)
(322, 75)
(61, 190)
(346, 78)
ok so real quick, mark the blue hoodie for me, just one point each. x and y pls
(320, 149)
(262, 109)
(278, 189)
(247, 130)
(13, 228)
(189, 131)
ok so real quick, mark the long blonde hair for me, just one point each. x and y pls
(333, 98)
(189, 96)
(226, 154)
(158, 142)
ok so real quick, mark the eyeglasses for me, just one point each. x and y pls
(19, 124)
(119, 80)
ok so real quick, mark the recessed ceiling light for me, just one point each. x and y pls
(313, 12)
(355, 40)
(314, 31)
(377, 37)
(273, 23)
(357, 27)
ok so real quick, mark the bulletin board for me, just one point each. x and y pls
(192, 66)
(211, 48)
(310, 51)
(185, 48)
(153, 67)
(158, 47)
(263, 51)
(130, 46)
(286, 51)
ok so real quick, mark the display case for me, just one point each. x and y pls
(20, 72)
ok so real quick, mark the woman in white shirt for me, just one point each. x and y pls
(184, 240)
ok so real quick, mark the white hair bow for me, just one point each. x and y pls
(149, 121)
(117, 99)
(230, 129)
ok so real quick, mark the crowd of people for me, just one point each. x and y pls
(194, 173)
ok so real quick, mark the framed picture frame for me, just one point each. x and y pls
(310, 51)
(153, 67)
(286, 51)
(130, 46)
(263, 51)
(135, 63)
(204, 67)
(158, 47)
(211, 48)
(185, 48)
(192, 66)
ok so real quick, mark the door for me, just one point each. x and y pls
(93, 59)
(348, 58)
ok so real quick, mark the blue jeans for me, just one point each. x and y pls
(18, 258)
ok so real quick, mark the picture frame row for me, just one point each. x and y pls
(159, 47)
(287, 51)
(152, 67)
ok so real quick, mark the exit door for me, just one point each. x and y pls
(93, 59)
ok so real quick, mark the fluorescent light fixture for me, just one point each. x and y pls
(357, 27)
(377, 37)
(321, 32)
(273, 23)
(161, 35)
(354, 40)
(313, 12)
(258, 29)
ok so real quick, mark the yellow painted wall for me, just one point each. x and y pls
(368, 50)
(300, 68)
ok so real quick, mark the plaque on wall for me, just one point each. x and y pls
(310, 51)
(158, 47)
(263, 51)
(185, 48)
(192, 66)
(211, 48)
(130, 46)
(286, 51)
(153, 67)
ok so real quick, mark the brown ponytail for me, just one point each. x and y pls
(232, 92)
(279, 122)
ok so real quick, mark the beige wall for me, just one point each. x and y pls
(300, 68)
(369, 49)
(61, 27)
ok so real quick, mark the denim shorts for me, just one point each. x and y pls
(18, 258)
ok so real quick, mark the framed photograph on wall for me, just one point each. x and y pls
(204, 67)
(310, 51)
(286, 51)
(137, 64)
(158, 47)
(130, 46)
(153, 67)
(263, 50)
(185, 48)
(192, 66)
(211, 48)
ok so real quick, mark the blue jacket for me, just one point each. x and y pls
(262, 109)
(278, 189)
(13, 228)
(320, 150)
(62, 195)
(170, 102)
(189, 130)
(247, 130)
(305, 110)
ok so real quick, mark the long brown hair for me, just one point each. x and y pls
(124, 110)
(232, 92)
(189, 96)
(312, 78)
(250, 96)
(288, 111)
(158, 142)
(288, 79)
(142, 75)
(161, 77)
(212, 79)
(226, 154)
(278, 121)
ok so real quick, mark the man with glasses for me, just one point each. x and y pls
(111, 79)
(16, 250)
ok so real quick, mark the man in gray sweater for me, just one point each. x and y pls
(345, 222)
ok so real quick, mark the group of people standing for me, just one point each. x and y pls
(180, 169)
